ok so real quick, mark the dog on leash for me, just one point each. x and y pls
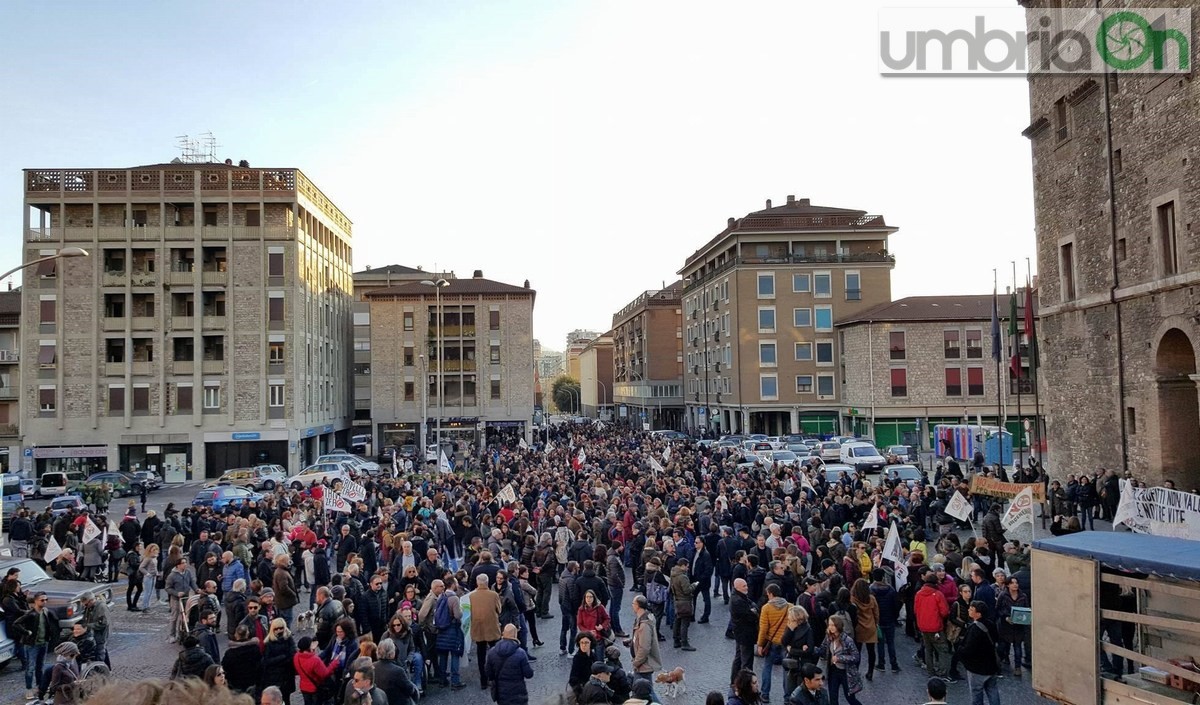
(671, 682)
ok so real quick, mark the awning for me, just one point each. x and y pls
(1127, 551)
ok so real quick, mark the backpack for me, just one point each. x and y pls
(133, 564)
(656, 592)
(442, 619)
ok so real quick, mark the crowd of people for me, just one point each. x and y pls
(383, 603)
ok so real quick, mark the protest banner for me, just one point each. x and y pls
(958, 507)
(1020, 511)
(1159, 511)
(992, 487)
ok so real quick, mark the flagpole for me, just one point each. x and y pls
(996, 357)
(1016, 343)
(1033, 363)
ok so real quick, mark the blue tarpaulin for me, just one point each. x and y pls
(1136, 553)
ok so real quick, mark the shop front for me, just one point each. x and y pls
(170, 460)
(506, 433)
(87, 460)
(241, 449)
(458, 432)
(399, 434)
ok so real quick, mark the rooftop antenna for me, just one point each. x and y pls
(208, 147)
(202, 150)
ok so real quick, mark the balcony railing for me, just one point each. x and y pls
(861, 257)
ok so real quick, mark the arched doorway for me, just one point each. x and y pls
(1178, 408)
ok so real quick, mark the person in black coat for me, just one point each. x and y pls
(976, 652)
(701, 571)
(588, 580)
(192, 661)
(278, 668)
(724, 562)
(392, 678)
(743, 613)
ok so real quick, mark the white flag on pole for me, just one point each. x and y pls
(395, 462)
(444, 463)
(507, 495)
(523, 445)
(667, 453)
(353, 491)
(1126, 508)
(549, 446)
(959, 507)
(872, 521)
(654, 466)
(53, 550)
(1021, 509)
(90, 530)
(891, 547)
(336, 503)
(901, 575)
(805, 483)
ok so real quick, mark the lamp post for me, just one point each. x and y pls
(438, 285)
(64, 252)
(424, 406)
(600, 401)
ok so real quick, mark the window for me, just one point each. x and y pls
(824, 386)
(275, 309)
(824, 316)
(953, 382)
(822, 285)
(804, 384)
(975, 381)
(362, 345)
(116, 399)
(47, 355)
(185, 350)
(899, 382)
(804, 353)
(275, 394)
(408, 357)
(212, 396)
(275, 353)
(274, 263)
(950, 344)
(1066, 270)
(141, 400)
(1131, 420)
(183, 399)
(766, 319)
(47, 398)
(1168, 247)
(254, 219)
(853, 286)
(49, 311)
(139, 217)
(408, 320)
(1060, 119)
(766, 354)
(114, 350)
(824, 352)
(495, 389)
(210, 216)
(766, 285)
(801, 283)
(409, 391)
(768, 387)
(494, 319)
(974, 344)
(1117, 165)
(896, 345)
(802, 317)
(495, 354)
(1121, 250)
(47, 269)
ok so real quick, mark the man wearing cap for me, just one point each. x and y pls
(596, 690)
(95, 618)
(65, 671)
(640, 693)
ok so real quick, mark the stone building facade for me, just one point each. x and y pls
(487, 362)
(1115, 180)
(648, 359)
(209, 328)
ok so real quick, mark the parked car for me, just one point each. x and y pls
(64, 504)
(899, 454)
(53, 484)
(123, 484)
(834, 472)
(8, 647)
(29, 488)
(911, 475)
(259, 477)
(149, 478)
(222, 496)
(783, 457)
(318, 473)
(757, 436)
(13, 496)
(670, 435)
(863, 456)
(363, 466)
(798, 448)
(63, 595)
(831, 451)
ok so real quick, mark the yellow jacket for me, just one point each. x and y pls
(772, 620)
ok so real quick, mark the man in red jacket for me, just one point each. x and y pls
(931, 611)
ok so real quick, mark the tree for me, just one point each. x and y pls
(565, 392)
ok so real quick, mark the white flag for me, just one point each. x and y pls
(395, 462)
(53, 550)
(90, 530)
(1126, 508)
(655, 467)
(805, 483)
(901, 575)
(891, 547)
(549, 447)
(444, 463)
(959, 507)
(1021, 509)
(336, 503)
(523, 445)
(507, 495)
(872, 521)
(353, 491)
(667, 453)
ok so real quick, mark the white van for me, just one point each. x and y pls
(53, 484)
(863, 457)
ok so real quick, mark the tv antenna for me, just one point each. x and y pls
(199, 150)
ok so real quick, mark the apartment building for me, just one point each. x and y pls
(482, 346)
(759, 304)
(1118, 260)
(911, 364)
(210, 327)
(366, 281)
(10, 381)
(648, 360)
(596, 378)
(577, 340)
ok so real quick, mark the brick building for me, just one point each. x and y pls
(911, 364)
(10, 379)
(648, 359)
(209, 328)
(596, 378)
(759, 304)
(487, 348)
(1115, 178)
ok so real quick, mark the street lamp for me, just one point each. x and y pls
(64, 252)
(438, 285)
(600, 402)
(424, 406)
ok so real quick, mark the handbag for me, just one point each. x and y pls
(791, 664)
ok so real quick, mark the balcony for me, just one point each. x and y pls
(212, 367)
(454, 366)
(175, 278)
(143, 322)
(8, 392)
(142, 368)
(113, 279)
(698, 280)
(114, 369)
(213, 322)
(182, 323)
(214, 278)
(114, 324)
(142, 279)
(183, 367)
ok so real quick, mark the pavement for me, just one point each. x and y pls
(139, 649)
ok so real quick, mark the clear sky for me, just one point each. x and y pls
(588, 146)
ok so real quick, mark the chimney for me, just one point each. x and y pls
(733, 221)
(526, 283)
(768, 203)
(805, 202)
(791, 200)
(478, 274)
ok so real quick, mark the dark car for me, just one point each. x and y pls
(123, 484)
(63, 595)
